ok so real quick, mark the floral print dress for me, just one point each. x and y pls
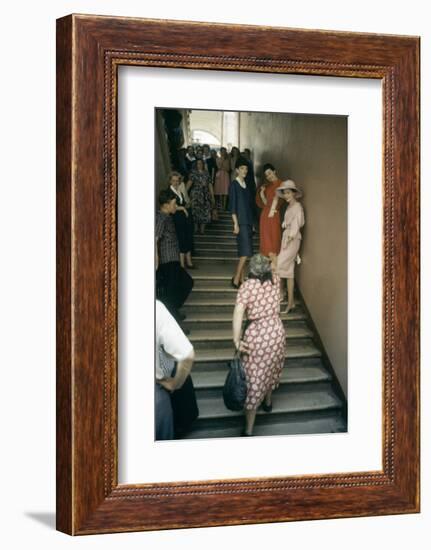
(200, 198)
(265, 337)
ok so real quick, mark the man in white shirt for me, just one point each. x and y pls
(172, 343)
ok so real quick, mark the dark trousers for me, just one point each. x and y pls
(164, 417)
(174, 285)
(184, 406)
(184, 230)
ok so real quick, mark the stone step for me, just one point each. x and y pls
(226, 306)
(301, 338)
(216, 253)
(203, 242)
(213, 289)
(208, 290)
(285, 387)
(212, 271)
(220, 297)
(284, 403)
(225, 353)
(223, 220)
(221, 230)
(295, 362)
(214, 292)
(224, 239)
(205, 338)
(190, 308)
(223, 318)
(224, 217)
(207, 249)
(204, 284)
(220, 334)
(215, 226)
(214, 378)
(210, 257)
(317, 423)
(224, 214)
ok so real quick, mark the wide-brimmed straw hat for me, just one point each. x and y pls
(289, 184)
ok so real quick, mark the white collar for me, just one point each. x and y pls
(177, 193)
(243, 185)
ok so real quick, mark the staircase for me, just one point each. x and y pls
(306, 401)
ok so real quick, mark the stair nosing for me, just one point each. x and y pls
(335, 405)
(229, 354)
(228, 318)
(304, 333)
(325, 376)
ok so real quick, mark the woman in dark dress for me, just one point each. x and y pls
(242, 217)
(212, 165)
(234, 155)
(190, 158)
(182, 222)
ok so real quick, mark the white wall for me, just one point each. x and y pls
(320, 169)
(312, 150)
(27, 276)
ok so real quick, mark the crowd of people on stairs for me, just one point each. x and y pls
(206, 183)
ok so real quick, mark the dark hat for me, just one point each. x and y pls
(241, 162)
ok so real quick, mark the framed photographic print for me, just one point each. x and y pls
(227, 188)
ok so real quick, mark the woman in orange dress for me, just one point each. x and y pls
(269, 225)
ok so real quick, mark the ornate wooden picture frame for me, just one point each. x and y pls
(89, 51)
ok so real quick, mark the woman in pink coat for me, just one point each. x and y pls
(222, 181)
(291, 238)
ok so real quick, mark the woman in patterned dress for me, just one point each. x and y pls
(263, 343)
(190, 158)
(201, 194)
(291, 240)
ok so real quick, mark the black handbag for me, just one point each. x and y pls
(235, 386)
